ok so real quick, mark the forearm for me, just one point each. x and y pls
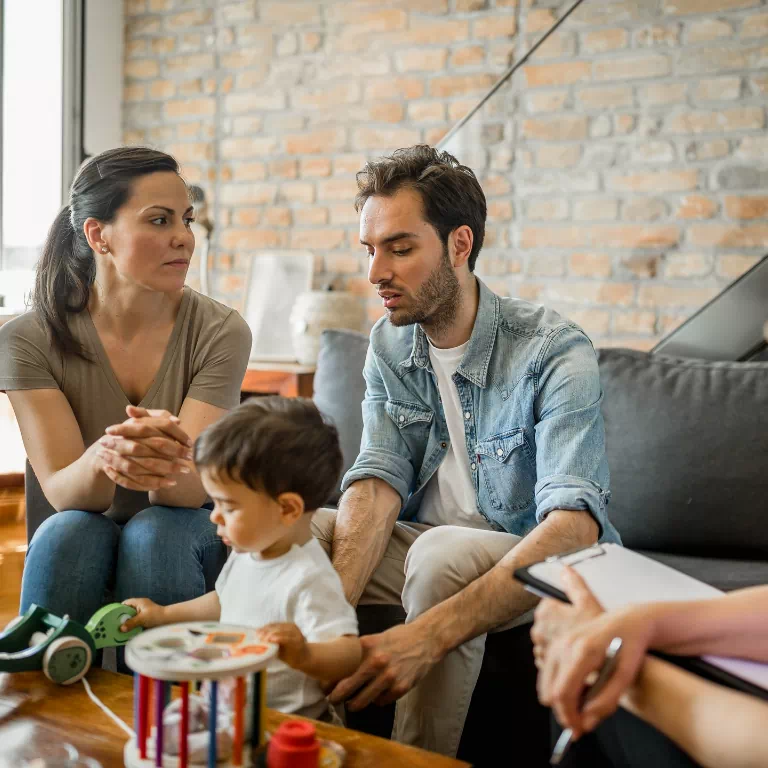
(205, 608)
(733, 625)
(364, 522)
(332, 660)
(497, 597)
(81, 485)
(717, 727)
(188, 492)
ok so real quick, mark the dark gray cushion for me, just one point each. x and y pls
(687, 444)
(339, 389)
(721, 573)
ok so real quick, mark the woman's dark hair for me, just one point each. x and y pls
(450, 192)
(67, 268)
(275, 445)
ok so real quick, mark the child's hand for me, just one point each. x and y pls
(294, 649)
(148, 614)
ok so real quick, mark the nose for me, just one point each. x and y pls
(183, 238)
(379, 269)
(215, 517)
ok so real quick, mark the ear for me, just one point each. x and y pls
(291, 507)
(461, 240)
(95, 234)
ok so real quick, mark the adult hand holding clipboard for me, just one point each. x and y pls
(570, 645)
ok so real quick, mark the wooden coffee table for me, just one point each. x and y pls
(49, 712)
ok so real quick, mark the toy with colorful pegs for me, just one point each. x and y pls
(196, 730)
(61, 647)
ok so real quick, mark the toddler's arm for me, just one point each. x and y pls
(330, 661)
(150, 614)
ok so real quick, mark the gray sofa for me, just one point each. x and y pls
(687, 445)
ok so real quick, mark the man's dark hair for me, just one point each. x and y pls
(450, 192)
(275, 445)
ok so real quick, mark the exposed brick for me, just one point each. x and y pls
(719, 59)
(315, 166)
(602, 40)
(663, 93)
(649, 37)
(290, 13)
(337, 189)
(733, 265)
(546, 101)
(303, 217)
(421, 60)
(705, 6)
(737, 119)
(315, 142)
(248, 147)
(468, 56)
(343, 213)
(494, 26)
(742, 177)
(746, 207)
(546, 209)
(729, 236)
(707, 150)
(599, 98)
(759, 84)
(590, 264)
(644, 209)
(297, 192)
(459, 85)
(595, 209)
(674, 295)
(318, 239)
(326, 96)
(431, 32)
(142, 69)
(719, 89)
(250, 239)
(656, 181)
(344, 263)
(284, 168)
(197, 18)
(634, 321)
(186, 64)
(135, 92)
(708, 29)
(653, 152)
(557, 74)
(631, 68)
(162, 89)
(249, 171)
(687, 265)
(558, 46)
(558, 156)
(247, 217)
(426, 111)
(383, 138)
(564, 128)
(696, 207)
(755, 25)
(253, 101)
(190, 107)
(394, 88)
(348, 163)
(753, 147)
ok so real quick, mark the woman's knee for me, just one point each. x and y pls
(72, 529)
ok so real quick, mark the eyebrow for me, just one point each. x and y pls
(392, 238)
(225, 499)
(167, 210)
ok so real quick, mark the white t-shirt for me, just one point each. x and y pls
(449, 498)
(301, 587)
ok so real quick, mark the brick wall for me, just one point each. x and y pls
(624, 166)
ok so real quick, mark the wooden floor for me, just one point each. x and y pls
(13, 546)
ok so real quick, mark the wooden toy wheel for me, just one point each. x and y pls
(66, 660)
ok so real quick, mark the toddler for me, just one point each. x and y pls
(267, 465)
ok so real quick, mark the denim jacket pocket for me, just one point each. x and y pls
(405, 414)
(506, 473)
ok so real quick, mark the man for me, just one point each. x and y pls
(482, 449)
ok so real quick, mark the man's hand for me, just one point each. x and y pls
(148, 614)
(393, 662)
(293, 645)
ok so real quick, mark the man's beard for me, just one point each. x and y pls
(436, 303)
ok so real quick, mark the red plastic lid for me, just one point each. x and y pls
(294, 745)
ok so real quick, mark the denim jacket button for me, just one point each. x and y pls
(402, 419)
(473, 466)
(467, 415)
(443, 445)
(499, 452)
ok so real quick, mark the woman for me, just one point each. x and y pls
(676, 718)
(114, 333)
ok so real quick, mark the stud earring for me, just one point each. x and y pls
(104, 249)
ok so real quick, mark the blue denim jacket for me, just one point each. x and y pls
(530, 389)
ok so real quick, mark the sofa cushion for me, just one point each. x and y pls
(339, 389)
(722, 573)
(687, 445)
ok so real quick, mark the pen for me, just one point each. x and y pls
(611, 659)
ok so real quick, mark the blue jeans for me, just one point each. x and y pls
(77, 561)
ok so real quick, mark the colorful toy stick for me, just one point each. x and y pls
(143, 715)
(213, 717)
(159, 699)
(237, 747)
(183, 746)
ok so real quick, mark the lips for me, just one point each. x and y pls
(390, 299)
(177, 263)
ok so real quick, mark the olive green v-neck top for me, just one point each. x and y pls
(205, 359)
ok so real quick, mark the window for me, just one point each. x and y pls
(31, 142)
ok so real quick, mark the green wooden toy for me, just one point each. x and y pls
(61, 647)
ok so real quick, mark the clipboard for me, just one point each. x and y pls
(620, 577)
